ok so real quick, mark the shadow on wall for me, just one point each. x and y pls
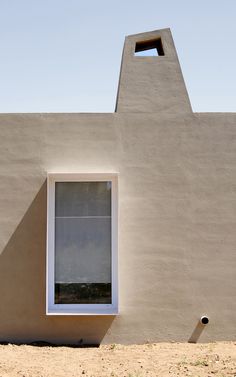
(196, 333)
(23, 289)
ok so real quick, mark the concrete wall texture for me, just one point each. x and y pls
(177, 210)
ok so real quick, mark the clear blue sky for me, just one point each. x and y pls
(64, 55)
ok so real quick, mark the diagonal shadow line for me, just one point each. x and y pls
(196, 333)
(23, 289)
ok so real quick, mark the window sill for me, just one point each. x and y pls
(58, 310)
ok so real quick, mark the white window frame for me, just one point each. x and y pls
(80, 309)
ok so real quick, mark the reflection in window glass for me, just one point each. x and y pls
(83, 243)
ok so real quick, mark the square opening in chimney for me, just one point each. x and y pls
(151, 47)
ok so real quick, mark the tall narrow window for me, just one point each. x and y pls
(82, 244)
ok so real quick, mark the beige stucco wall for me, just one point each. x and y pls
(177, 215)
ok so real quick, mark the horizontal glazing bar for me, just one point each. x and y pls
(83, 217)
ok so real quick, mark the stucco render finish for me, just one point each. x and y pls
(144, 85)
(177, 218)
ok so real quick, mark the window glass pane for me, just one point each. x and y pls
(83, 198)
(83, 243)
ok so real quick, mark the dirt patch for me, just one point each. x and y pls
(161, 359)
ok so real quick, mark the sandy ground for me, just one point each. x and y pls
(162, 359)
